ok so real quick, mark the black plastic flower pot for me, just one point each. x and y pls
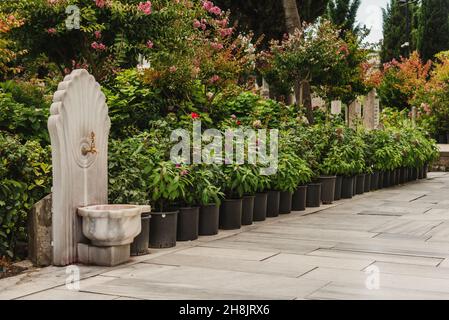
(442, 138)
(188, 221)
(208, 220)
(426, 170)
(247, 210)
(360, 185)
(401, 175)
(386, 182)
(299, 199)
(231, 214)
(354, 186)
(367, 183)
(337, 193)
(347, 187)
(394, 177)
(313, 196)
(381, 180)
(421, 172)
(273, 202)
(260, 207)
(374, 181)
(327, 189)
(285, 202)
(163, 229)
(414, 174)
(141, 243)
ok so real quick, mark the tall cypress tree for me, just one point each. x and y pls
(433, 35)
(395, 30)
(343, 13)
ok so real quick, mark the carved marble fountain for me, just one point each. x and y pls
(85, 228)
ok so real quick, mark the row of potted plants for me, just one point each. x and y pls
(316, 165)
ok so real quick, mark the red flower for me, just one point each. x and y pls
(238, 122)
(194, 115)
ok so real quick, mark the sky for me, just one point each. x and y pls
(370, 14)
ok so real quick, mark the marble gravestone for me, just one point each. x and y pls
(370, 111)
(354, 113)
(336, 107)
(79, 128)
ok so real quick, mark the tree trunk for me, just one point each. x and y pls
(302, 89)
(291, 13)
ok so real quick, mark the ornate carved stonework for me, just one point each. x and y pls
(79, 128)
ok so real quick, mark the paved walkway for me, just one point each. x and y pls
(333, 253)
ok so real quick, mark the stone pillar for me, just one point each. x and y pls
(265, 91)
(369, 112)
(79, 128)
(40, 233)
(354, 113)
(336, 107)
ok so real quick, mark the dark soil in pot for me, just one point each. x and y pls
(374, 181)
(247, 210)
(367, 183)
(273, 202)
(338, 183)
(360, 185)
(231, 214)
(313, 197)
(163, 229)
(188, 221)
(327, 189)
(347, 187)
(260, 207)
(299, 199)
(209, 220)
(141, 243)
(285, 202)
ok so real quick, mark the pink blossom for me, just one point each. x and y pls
(233, 116)
(226, 32)
(173, 69)
(98, 46)
(178, 165)
(97, 34)
(216, 45)
(51, 31)
(214, 78)
(207, 5)
(100, 3)
(222, 23)
(150, 44)
(215, 10)
(184, 172)
(52, 1)
(196, 24)
(145, 7)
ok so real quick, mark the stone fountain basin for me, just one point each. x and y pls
(111, 225)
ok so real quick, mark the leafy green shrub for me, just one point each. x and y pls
(132, 104)
(239, 180)
(28, 122)
(292, 171)
(25, 178)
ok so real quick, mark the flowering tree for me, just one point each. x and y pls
(311, 55)
(100, 35)
(209, 61)
(7, 53)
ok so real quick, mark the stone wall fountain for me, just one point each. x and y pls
(84, 228)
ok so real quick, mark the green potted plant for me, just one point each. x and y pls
(261, 198)
(300, 195)
(285, 182)
(168, 184)
(238, 180)
(208, 197)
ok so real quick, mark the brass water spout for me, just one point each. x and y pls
(85, 151)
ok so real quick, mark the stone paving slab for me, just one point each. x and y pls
(320, 253)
